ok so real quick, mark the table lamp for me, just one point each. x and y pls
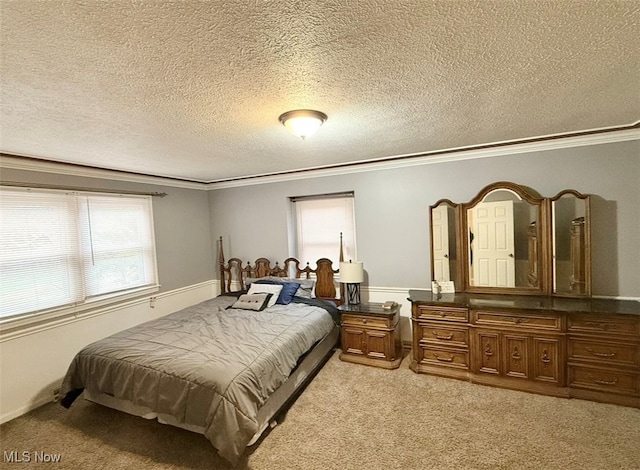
(352, 274)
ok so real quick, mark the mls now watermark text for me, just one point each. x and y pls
(26, 456)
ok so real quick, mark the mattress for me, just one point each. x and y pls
(208, 368)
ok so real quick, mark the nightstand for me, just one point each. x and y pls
(369, 336)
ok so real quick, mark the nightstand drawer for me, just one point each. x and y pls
(442, 334)
(602, 324)
(608, 353)
(517, 320)
(424, 312)
(368, 321)
(606, 380)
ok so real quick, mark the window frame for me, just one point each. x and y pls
(91, 304)
(294, 242)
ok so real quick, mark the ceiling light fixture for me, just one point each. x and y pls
(303, 122)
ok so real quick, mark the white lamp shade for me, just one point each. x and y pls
(351, 273)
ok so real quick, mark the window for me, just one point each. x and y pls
(68, 249)
(319, 220)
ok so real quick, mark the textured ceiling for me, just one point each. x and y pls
(193, 89)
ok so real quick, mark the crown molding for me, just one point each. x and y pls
(17, 162)
(496, 149)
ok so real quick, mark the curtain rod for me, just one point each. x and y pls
(78, 188)
(322, 196)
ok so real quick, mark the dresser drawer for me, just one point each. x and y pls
(517, 320)
(442, 334)
(620, 354)
(604, 380)
(603, 324)
(425, 312)
(443, 357)
(368, 321)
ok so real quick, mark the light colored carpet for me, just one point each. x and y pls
(356, 417)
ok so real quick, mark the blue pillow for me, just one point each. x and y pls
(289, 289)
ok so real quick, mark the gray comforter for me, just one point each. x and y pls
(206, 365)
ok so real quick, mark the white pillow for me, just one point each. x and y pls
(306, 289)
(266, 289)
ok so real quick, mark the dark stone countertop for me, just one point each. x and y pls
(527, 302)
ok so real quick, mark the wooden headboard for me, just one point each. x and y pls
(234, 273)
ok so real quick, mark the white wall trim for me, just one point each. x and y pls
(400, 295)
(37, 321)
(377, 291)
(37, 403)
(30, 164)
(34, 361)
(614, 297)
(47, 324)
(430, 158)
(495, 149)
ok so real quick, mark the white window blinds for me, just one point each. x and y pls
(319, 222)
(59, 248)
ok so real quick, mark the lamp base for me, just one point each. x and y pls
(353, 294)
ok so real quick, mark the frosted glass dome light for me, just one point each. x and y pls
(303, 122)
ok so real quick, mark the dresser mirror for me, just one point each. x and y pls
(444, 218)
(502, 240)
(571, 260)
(509, 239)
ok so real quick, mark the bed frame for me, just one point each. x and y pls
(233, 274)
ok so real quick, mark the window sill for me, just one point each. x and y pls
(29, 323)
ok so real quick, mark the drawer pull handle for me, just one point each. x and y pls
(598, 354)
(443, 359)
(516, 354)
(520, 320)
(545, 357)
(603, 382)
(442, 338)
(487, 350)
(443, 314)
(364, 320)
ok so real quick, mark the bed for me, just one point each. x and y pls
(226, 366)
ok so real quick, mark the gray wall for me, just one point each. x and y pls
(392, 228)
(182, 228)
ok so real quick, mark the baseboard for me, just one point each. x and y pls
(25, 409)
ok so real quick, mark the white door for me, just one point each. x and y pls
(440, 234)
(492, 249)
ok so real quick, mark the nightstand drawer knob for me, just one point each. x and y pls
(364, 320)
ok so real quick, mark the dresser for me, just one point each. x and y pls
(566, 347)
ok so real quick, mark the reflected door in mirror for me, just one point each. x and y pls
(491, 244)
(440, 234)
(445, 264)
